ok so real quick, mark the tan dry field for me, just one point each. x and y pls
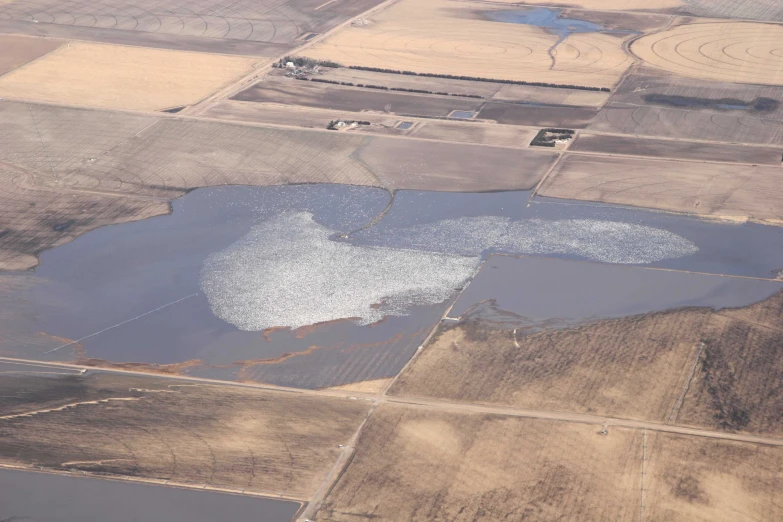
(716, 190)
(298, 116)
(146, 427)
(424, 165)
(478, 133)
(122, 77)
(695, 479)
(635, 367)
(723, 51)
(446, 37)
(418, 464)
(312, 118)
(19, 50)
(679, 149)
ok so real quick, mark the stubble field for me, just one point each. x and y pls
(692, 366)
(151, 428)
(415, 464)
(724, 191)
(438, 36)
(123, 77)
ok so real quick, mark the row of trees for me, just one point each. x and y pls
(383, 87)
(549, 137)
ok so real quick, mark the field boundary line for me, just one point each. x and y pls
(154, 482)
(644, 472)
(678, 404)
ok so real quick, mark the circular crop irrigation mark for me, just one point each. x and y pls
(743, 52)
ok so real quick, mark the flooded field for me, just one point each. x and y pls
(31, 496)
(317, 285)
(538, 292)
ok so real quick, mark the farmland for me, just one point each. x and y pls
(391, 260)
(722, 191)
(184, 432)
(419, 464)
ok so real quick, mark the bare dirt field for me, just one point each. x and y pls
(19, 50)
(650, 102)
(150, 428)
(257, 21)
(418, 464)
(489, 90)
(542, 116)
(422, 165)
(298, 116)
(634, 367)
(311, 94)
(695, 479)
(724, 51)
(501, 135)
(439, 36)
(123, 77)
(717, 190)
(692, 150)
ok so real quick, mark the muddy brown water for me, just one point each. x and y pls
(130, 293)
(28, 496)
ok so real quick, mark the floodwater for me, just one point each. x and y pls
(549, 19)
(27, 496)
(462, 115)
(760, 104)
(405, 125)
(319, 285)
(537, 292)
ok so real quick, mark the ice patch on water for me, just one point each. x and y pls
(596, 240)
(287, 272)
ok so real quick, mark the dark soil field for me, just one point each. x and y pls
(19, 50)
(415, 464)
(655, 104)
(691, 150)
(635, 367)
(151, 428)
(312, 94)
(535, 115)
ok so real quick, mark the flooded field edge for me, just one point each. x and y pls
(282, 506)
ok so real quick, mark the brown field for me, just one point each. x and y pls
(147, 427)
(439, 36)
(635, 367)
(19, 50)
(423, 165)
(726, 191)
(723, 51)
(651, 102)
(385, 124)
(512, 114)
(298, 116)
(658, 148)
(242, 21)
(500, 135)
(695, 479)
(123, 77)
(418, 464)
(353, 99)
(494, 91)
